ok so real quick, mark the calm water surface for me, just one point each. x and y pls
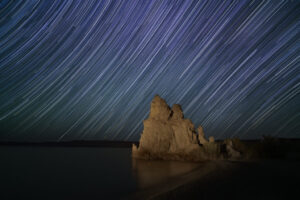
(79, 172)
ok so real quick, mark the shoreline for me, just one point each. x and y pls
(266, 179)
(172, 184)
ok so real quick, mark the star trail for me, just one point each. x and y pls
(84, 70)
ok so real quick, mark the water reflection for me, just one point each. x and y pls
(149, 173)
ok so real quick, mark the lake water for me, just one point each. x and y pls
(79, 172)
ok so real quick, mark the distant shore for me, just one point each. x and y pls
(117, 144)
(75, 143)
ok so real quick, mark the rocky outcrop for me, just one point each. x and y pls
(166, 132)
(232, 153)
(168, 135)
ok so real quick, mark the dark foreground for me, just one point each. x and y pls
(73, 171)
(274, 174)
(62, 173)
(270, 179)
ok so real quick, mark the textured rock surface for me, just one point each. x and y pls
(168, 135)
(177, 112)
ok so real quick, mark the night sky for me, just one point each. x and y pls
(88, 70)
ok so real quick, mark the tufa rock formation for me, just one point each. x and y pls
(168, 135)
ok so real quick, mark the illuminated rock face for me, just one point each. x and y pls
(159, 109)
(168, 135)
(166, 130)
(157, 135)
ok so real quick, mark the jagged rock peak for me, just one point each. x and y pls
(159, 109)
(201, 136)
(177, 112)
